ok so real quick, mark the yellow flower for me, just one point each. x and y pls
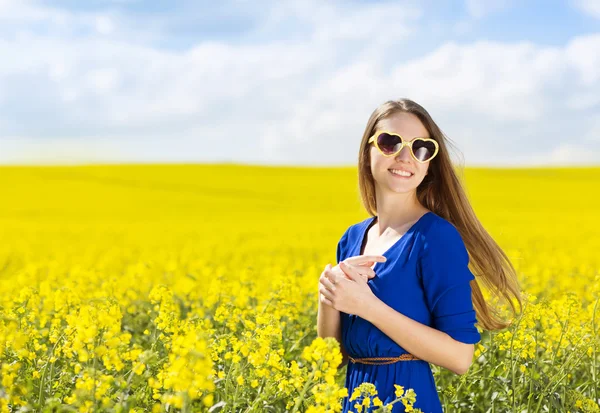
(139, 368)
(399, 390)
(366, 402)
(208, 400)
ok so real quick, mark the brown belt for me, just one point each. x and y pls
(383, 360)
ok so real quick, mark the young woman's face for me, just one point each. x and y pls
(409, 127)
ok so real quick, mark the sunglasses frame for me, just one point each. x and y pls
(404, 143)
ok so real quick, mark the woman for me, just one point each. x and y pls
(420, 302)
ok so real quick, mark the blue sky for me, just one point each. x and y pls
(294, 82)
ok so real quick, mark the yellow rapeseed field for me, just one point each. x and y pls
(195, 288)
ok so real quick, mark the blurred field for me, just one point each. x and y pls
(126, 287)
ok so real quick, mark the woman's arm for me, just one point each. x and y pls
(329, 322)
(427, 343)
(329, 325)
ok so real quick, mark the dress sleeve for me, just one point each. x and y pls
(446, 281)
(341, 247)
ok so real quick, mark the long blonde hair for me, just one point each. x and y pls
(442, 193)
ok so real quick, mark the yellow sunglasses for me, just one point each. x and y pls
(390, 144)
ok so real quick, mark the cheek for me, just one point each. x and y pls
(422, 168)
(377, 164)
(377, 159)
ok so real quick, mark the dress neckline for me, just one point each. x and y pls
(370, 223)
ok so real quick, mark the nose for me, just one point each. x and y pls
(404, 154)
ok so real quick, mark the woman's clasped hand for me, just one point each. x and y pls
(344, 287)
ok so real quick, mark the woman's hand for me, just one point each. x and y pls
(361, 263)
(344, 287)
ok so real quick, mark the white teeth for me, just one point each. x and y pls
(401, 173)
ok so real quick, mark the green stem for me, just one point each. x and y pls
(303, 392)
(594, 345)
(186, 403)
(94, 369)
(561, 333)
(530, 395)
(513, 362)
(237, 385)
(40, 400)
(493, 363)
(257, 399)
(298, 342)
(551, 380)
(236, 390)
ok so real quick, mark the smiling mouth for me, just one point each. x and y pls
(401, 176)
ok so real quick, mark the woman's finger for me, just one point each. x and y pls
(333, 277)
(324, 291)
(361, 259)
(325, 300)
(350, 270)
(365, 264)
(365, 271)
(327, 283)
(364, 268)
(329, 274)
(327, 268)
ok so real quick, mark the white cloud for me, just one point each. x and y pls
(583, 100)
(480, 8)
(104, 25)
(592, 134)
(58, 150)
(568, 154)
(303, 96)
(583, 53)
(462, 27)
(500, 81)
(589, 7)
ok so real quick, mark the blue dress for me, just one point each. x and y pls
(426, 277)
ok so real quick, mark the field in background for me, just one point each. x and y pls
(187, 286)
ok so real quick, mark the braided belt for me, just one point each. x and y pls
(383, 360)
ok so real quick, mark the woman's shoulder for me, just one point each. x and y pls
(355, 230)
(439, 227)
(349, 237)
(440, 238)
(440, 234)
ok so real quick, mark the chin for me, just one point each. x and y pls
(401, 186)
(404, 186)
(402, 190)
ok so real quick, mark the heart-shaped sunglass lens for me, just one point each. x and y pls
(389, 144)
(423, 150)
